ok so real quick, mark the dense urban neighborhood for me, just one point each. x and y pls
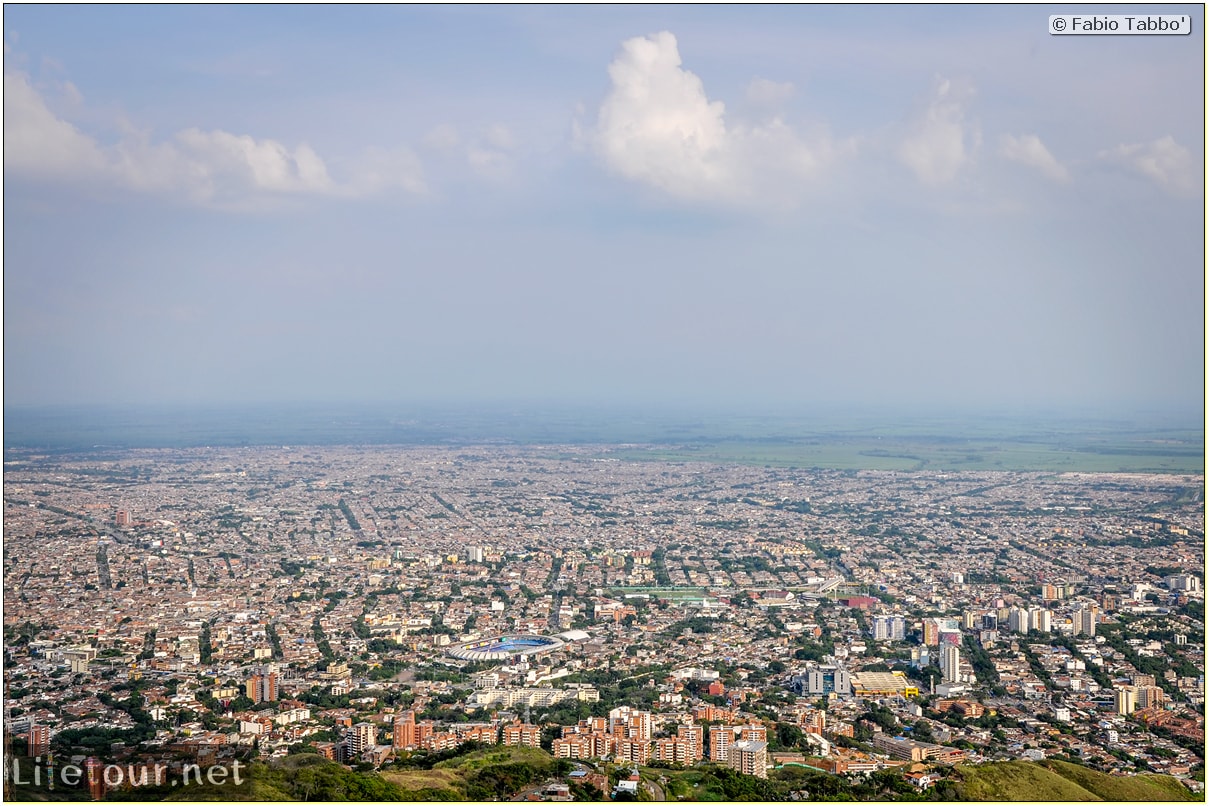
(606, 627)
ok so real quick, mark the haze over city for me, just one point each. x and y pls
(745, 206)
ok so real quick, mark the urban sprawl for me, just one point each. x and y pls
(367, 604)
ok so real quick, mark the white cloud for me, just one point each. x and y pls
(1029, 150)
(244, 162)
(36, 141)
(1164, 161)
(940, 142)
(204, 167)
(658, 127)
(763, 92)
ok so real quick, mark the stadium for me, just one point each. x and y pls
(505, 647)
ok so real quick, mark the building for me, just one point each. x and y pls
(1018, 620)
(634, 751)
(1085, 620)
(908, 750)
(822, 680)
(1149, 696)
(883, 684)
(1183, 582)
(39, 740)
(403, 731)
(753, 732)
(694, 737)
(360, 737)
(749, 758)
(940, 630)
(629, 723)
(520, 734)
(672, 750)
(889, 628)
(262, 686)
(950, 662)
(1039, 619)
(721, 737)
(1125, 700)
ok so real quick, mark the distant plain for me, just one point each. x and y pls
(826, 439)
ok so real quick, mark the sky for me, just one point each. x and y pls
(739, 206)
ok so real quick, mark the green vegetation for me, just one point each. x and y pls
(321, 640)
(473, 773)
(1053, 780)
(348, 515)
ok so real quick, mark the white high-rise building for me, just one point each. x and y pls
(1183, 582)
(889, 628)
(1126, 700)
(950, 662)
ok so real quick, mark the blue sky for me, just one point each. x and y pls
(747, 206)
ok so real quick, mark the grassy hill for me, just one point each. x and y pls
(1062, 781)
(486, 774)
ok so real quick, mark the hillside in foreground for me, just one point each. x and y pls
(1062, 781)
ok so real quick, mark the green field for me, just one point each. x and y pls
(872, 452)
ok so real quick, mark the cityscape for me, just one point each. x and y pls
(386, 606)
(550, 403)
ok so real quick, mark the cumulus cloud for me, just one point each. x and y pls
(940, 142)
(38, 141)
(205, 167)
(658, 127)
(1163, 161)
(1029, 150)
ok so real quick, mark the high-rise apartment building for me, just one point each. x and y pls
(1125, 700)
(520, 734)
(950, 662)
(1039, 619)
(721, 737)
(403, 731)
(888, 628)
(39, 740)
(1086, 619)
(1149, 696)
(749, 758)
(262, 686)
(360, 737)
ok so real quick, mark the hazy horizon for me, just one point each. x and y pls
(656, 207)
